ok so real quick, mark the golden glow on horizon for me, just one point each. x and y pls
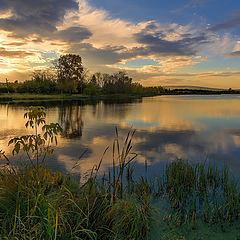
(109, 33)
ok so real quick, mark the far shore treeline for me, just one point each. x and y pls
(68, 76)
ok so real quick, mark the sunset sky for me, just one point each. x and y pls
(158, 42)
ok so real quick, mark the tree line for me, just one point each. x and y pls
(69, 76)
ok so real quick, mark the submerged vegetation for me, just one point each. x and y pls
(199, 191)
(37, 203)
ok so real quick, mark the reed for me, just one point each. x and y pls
(37, 203)
(199, 191)
(41, 204)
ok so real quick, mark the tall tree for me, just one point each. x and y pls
(69, 70)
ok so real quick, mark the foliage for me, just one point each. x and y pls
(90, 89)
(36, 145)
(11, 88)
(69, 71)
(70, 76)
(42, 82)
(41, 204)
(117, 83)
(44, 205)
(93, 80)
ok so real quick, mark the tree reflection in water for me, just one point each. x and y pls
(70, 117)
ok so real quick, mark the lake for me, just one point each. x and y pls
(195, 128)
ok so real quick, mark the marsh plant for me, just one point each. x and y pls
(37, 203)
(200, 192)
(129, 200)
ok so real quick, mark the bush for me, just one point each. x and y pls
(90, 90)
(40, 86)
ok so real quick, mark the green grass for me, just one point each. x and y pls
(42, 204)
(46, 205)
(36, 203)
(56, 97)
(29, 96)
(196, 201)
(202, 192)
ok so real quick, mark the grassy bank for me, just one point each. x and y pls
(46, 205)
(14, 97)
(36, 203)
(42, 204)
(60, 97)
(29, 96)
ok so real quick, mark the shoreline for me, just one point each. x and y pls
(65, 97)
(12, 97)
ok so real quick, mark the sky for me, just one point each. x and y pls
(158, 42)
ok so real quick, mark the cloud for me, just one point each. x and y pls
(190, 4)
(174, 44)
(187, 46)
(233, 54)
(78, 27)
(232, 23)
(34, 17)
(14, 54)
(166, 66)
(14, 44)
(216, 79)
(105, 29)
(33, 33)
(93, 55)
(73, 34)
(15, 75)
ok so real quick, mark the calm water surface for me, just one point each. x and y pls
(196, 128)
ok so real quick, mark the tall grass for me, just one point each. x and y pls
(41, 204)
(129, 210)
(36, 203)
(199, 191)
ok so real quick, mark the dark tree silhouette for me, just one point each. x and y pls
(69, 70)
(117, 83)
